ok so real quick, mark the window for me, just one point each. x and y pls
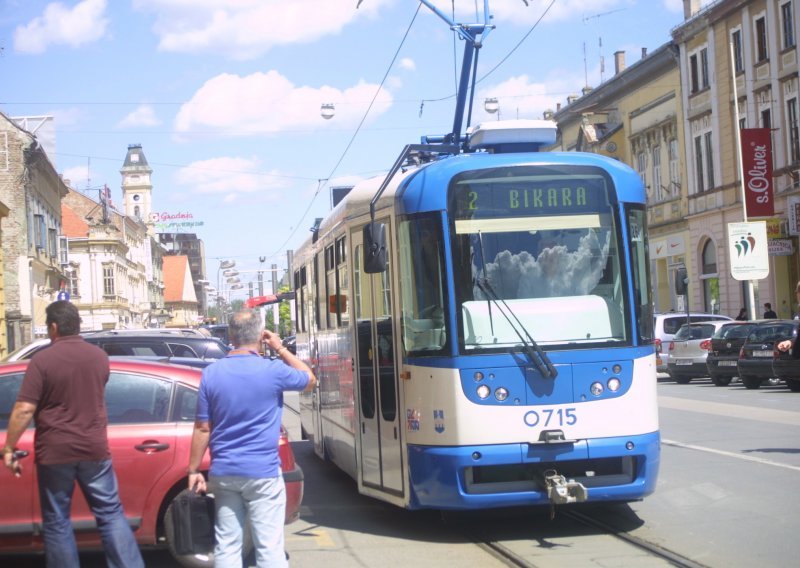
(3, 151)
(738, 60)
(341, 280)
(787, 25)
(794, 130)
(641, 165)
(39, 231)
(698, 69)
(72, 277)
(710, 278)
(319, 291)
(109, 282)
(659, 191)
(63, 250)
(331, 292)
(9, 386)
(766, 118)
(185, 404)
(761, 39)
(674, 166)
(704, 161)
(133, 399)
(52, 243)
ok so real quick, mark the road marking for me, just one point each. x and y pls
(322, 538)
(731, 410)
(729, 454)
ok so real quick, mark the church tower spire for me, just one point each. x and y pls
(137, 188)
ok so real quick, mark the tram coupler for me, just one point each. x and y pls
(561, 490)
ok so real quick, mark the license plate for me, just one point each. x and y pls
(762, 353)
(683, 361)
(727, 363)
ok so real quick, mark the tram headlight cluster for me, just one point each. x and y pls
(484, 391)
(597, 388)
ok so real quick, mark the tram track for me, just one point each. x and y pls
(508, 551)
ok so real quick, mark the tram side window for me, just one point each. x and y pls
(300, 284)
(422, 285)
(321, 300)
(331, 294)
(341, 281)
(640, 273)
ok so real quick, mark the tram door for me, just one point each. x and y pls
(377, 412)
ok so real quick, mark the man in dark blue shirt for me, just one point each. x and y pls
(239, 412)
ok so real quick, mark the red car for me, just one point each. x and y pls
(151, 409)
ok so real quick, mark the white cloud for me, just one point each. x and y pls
(229, 178)
(144, 115)
(245, 29)
(60, 25)
(78, 176)
(407, 64)
(261, 103)
(519, 97)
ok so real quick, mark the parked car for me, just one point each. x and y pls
(133, 343)
(758, 350)
(666, 325)
(723, 354)
(151, 411)
(786, 364)
(689, 348)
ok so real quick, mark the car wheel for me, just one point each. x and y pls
(197, 560)
(721, 381)
(751, 382)
(794, 385)
(682, 379)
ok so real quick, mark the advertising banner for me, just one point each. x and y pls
(748, 250)
(757, 165)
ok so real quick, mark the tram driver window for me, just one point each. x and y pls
(422, 285)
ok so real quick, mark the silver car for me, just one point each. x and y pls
(665, 325)
(689, 349)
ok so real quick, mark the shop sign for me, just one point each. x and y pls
(748, 250)
(781, 247)
(757, 166)
(793, 208)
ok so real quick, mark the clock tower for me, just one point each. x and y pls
(136, 185)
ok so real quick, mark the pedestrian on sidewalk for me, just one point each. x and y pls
(239, 412)
(64, 393)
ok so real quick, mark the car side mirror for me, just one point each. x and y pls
(374, 247)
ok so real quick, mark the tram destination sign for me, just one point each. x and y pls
(529, 196)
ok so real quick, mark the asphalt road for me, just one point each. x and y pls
(726, 498)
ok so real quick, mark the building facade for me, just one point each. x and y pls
(31, 190)
(739, 70)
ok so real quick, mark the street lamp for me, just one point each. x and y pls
(327, 111)
(223, 265)
(491, 106)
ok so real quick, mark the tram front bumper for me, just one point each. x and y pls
(505, 475)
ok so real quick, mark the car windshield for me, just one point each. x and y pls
(695, 331)
(735, 331)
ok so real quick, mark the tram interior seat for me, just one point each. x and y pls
(548, 320)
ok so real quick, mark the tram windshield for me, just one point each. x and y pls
(544, 242)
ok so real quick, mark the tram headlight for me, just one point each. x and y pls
(483, 391)
(597, 388)
(478, 376)
(616, 369)
(501, 393)
(614, 384)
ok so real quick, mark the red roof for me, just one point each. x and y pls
(72, 225)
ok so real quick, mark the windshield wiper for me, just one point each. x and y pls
(535, 353)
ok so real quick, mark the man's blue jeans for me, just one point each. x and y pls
(99, 486)
(263, 502)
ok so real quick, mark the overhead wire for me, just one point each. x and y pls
(321, 183)
(503, 60)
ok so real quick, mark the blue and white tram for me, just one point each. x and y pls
(500, 354)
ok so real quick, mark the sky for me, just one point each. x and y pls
(225, 95)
